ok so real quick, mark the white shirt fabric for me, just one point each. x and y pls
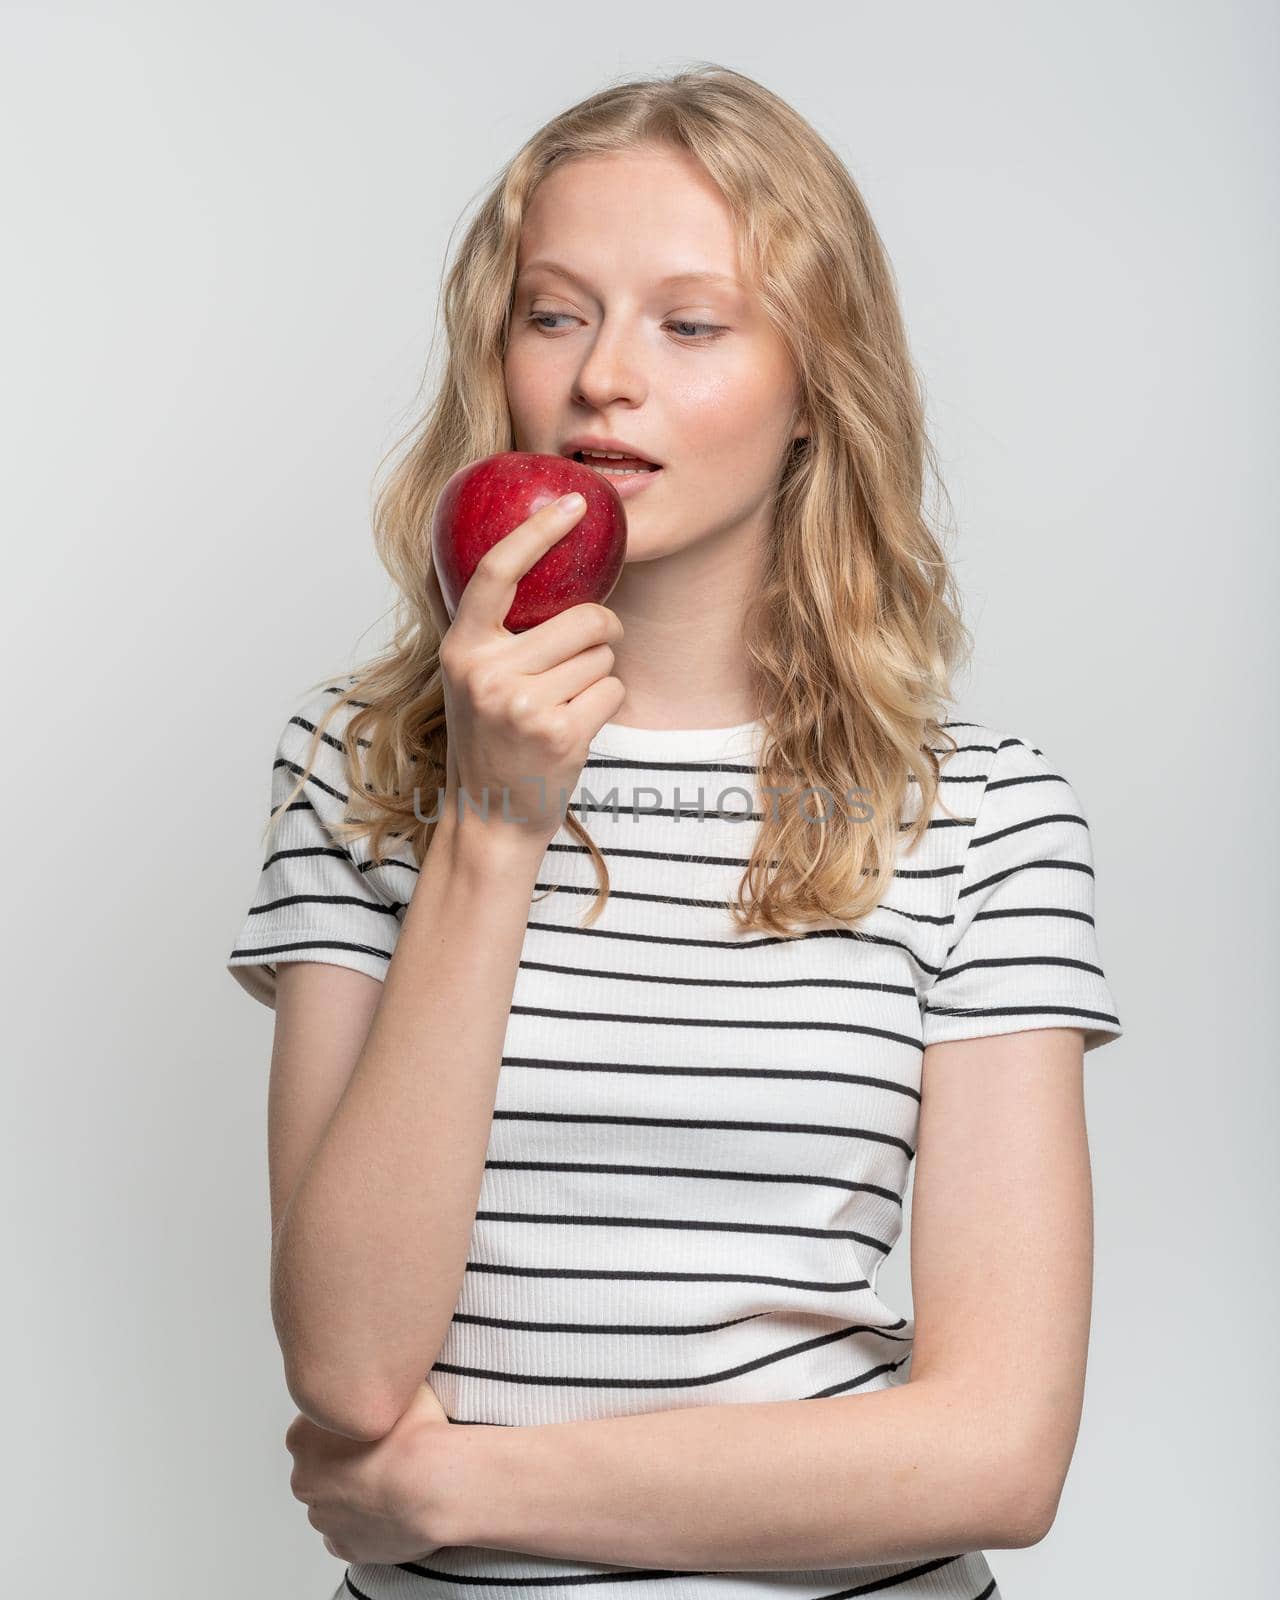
(701, 1138)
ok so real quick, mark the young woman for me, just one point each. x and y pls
(590, 1123)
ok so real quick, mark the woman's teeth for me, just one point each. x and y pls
(607, 464)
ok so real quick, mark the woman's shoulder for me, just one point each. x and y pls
(313, 704)
(309, 710)
(1006, 777)
(327, 771)
(989, 746)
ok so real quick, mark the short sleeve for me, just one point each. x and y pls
(315, 899)
(1022, 950)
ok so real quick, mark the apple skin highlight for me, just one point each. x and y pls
(488, 499)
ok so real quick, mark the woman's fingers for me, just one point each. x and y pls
(579, 628)
(596, 705)
(491, 589)
(515, 730)
(570, 678)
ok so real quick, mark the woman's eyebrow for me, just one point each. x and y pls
(672, 278)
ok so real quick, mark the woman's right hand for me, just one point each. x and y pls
(521, 707)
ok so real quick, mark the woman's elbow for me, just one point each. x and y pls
(1026, 1507)
(336, 1408)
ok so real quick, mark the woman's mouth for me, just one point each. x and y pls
(627, 477)
(613, 467)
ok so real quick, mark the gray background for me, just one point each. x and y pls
(226, 226)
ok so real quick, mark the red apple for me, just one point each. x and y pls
(488, 499)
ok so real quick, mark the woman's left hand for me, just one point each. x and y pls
(379, 1500)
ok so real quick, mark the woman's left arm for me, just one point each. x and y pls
(971, 1453)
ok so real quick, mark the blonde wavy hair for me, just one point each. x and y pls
(856, 630)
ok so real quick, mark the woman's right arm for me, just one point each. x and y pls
(369, 1253)
(371, 1244)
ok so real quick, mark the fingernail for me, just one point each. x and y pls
(571, 502)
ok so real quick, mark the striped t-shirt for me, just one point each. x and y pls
(701, 1137)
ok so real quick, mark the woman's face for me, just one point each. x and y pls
(690, 373)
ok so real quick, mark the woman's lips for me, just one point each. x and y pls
(628, 463)
(627, 484)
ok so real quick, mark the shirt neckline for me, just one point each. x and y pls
(673, 744)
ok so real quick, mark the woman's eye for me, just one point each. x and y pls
(710, 330)
(713, 330)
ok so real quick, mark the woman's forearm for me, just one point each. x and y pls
(925, 1470)
(372, 1249)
